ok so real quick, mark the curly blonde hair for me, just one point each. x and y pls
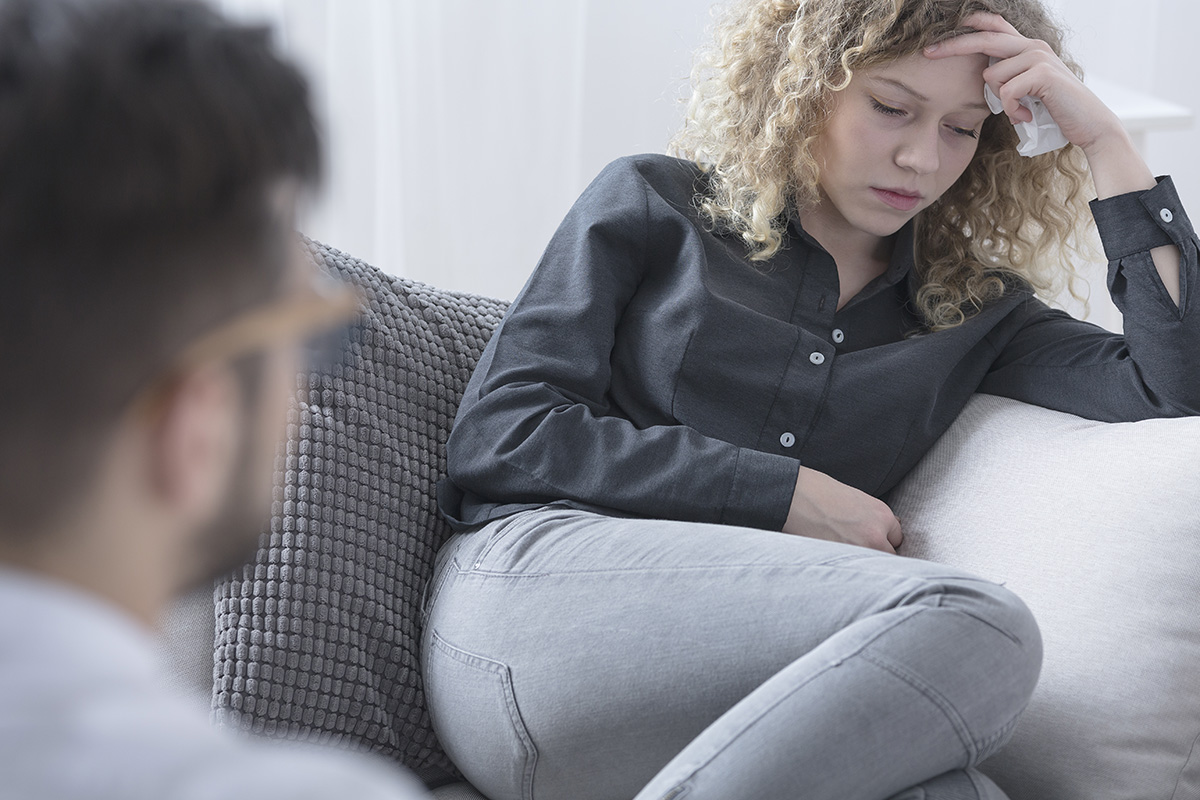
(764, 91)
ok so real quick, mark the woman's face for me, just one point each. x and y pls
(900, 135)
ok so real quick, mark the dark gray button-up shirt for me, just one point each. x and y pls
(648, 368)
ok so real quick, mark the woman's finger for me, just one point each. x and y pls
(987, 21)
(990, 43)
(992, 35)
(1001, 71)
(1013, 78)
(1013, 91)
(1029, 67)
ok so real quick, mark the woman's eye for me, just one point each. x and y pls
(897, 112)
(882, 109)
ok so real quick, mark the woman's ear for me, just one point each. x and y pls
(193, 441)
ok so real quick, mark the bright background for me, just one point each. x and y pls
(460, 131)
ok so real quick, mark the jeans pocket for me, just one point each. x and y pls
(477, 721)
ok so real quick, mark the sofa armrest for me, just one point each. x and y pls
(1097, 527)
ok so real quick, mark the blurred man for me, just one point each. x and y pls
(152, 306)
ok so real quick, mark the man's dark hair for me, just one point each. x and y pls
(141, 145)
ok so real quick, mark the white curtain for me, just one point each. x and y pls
(460, 131)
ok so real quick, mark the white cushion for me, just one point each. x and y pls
(1097, 527)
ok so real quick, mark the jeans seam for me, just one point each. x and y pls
(1012, 637)
(1192, 753)
(1005, 730)
(858, 651)
(935, 697)
(501, 670)
(433, 588)
(683, 784)
(976, 748)
(975, 784)
(691, 568)
(961, 730)
(497, 533)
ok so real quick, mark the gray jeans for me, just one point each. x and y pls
(572, 655)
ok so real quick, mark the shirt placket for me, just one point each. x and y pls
(807, 378)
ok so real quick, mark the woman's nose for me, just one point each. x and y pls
(920, 151)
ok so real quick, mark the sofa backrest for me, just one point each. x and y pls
(318, 639)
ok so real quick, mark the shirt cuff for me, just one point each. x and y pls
(1140, 221)
(762, 489)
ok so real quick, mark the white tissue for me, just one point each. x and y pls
(1042, 135)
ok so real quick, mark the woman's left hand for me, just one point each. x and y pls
(1029, 67)
(1026, 66)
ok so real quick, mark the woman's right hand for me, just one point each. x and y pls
(823, 508)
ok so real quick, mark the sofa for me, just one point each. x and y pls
(1096, 526)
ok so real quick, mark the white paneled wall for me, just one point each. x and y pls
(460, 131)
(1149, 46)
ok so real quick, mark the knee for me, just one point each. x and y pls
(1002, 642)
(999, 608)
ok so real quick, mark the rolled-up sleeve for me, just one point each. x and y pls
(537, 423)
(1153, 369)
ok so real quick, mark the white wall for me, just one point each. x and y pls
(1140, 47)
(460, 131)
(1149, 46)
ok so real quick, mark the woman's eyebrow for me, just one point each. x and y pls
(904, 87)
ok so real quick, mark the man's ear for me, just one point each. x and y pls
(192, 441)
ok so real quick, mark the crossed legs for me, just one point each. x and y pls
(575, 655)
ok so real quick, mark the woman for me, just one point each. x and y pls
(675, 576)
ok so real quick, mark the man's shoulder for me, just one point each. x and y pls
(153, 744)
(86, 712)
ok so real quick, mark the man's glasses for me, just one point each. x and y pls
(320, 306)
(320, 309)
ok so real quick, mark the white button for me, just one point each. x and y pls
(817, 358)
(787, 440)
(838, 336)
(1166, 215)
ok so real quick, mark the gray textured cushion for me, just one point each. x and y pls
(1097, 527)
(319, 638)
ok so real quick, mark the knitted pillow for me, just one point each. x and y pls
(318, 639)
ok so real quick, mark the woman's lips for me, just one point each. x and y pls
(900, 201)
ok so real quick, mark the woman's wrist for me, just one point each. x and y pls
(1117, 167)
